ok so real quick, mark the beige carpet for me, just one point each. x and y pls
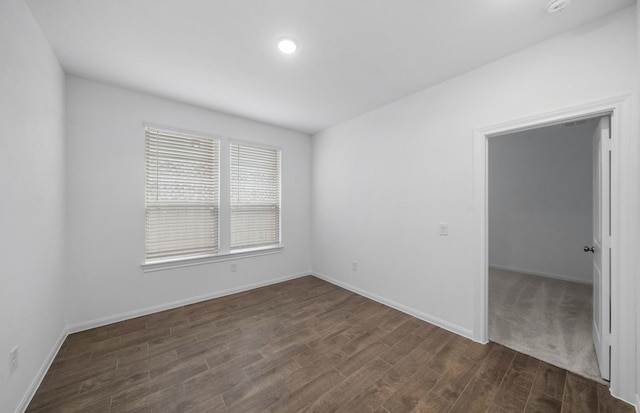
(546, 318)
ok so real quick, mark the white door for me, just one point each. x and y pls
(601, 247)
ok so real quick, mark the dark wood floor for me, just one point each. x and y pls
(302, 345)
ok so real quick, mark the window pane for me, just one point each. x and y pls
(255, 196)
(181, 195)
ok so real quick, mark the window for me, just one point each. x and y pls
(183, 201)
(181, 195)
(255, 196)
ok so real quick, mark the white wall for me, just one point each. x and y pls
(105, 167)
(32, 208)
(540, 202)
(383, 181)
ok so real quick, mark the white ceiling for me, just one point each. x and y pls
(354, 55)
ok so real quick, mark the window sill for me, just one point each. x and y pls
(188, 262)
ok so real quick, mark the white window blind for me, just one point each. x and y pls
(255, 196)
(181, 195)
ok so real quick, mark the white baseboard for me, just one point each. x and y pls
(26, 399)
(400, 307)
(637, 406)
(86, 325)
(540, 274)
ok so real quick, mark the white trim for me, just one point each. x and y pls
(400, 307)
(625, 241)
(254, 144)
(173, 129)
(98, 322)
(230, 256)
(637, 405)
(541, 274)
(37, 380)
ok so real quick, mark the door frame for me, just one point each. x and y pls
(625, 229)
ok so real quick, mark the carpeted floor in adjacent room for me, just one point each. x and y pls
(546, 318)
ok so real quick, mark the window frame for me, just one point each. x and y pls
(180, 133)
(257, 145)
(224, 207)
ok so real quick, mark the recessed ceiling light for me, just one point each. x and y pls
(557, 5)
(287, 46)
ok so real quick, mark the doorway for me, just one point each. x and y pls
(540, 218)
(625, 197)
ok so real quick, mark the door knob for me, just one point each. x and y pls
(587, 249)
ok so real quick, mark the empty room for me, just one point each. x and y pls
(286, 206)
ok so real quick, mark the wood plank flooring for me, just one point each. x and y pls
(302, 345)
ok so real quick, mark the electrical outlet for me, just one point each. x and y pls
(234, 267)
(13, 358)
(354, 265)
(444, 228)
